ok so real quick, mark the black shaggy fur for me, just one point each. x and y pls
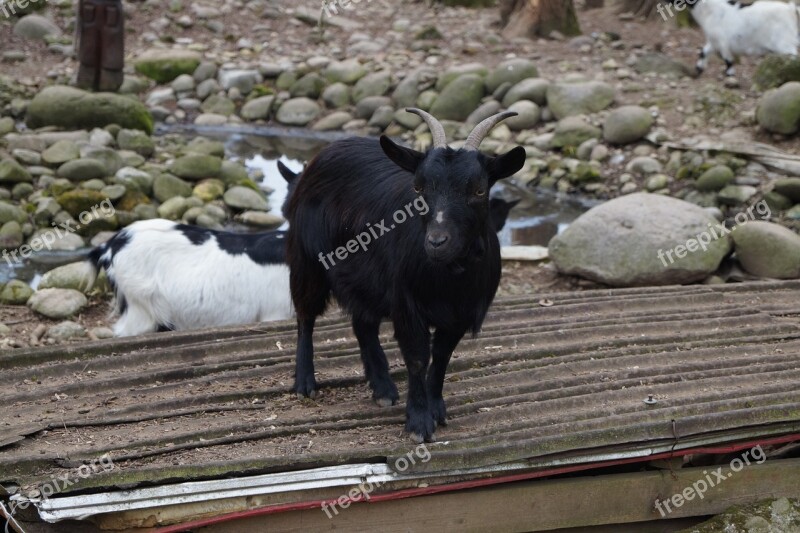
(423, 274)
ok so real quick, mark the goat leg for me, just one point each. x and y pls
(376, 367)
(414, 340)
(444, 342)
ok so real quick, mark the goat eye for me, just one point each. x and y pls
(480, 192)
(417, 189)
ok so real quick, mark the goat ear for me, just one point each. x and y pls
(405, 158)
(505, 165)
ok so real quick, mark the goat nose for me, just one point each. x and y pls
(437, 239)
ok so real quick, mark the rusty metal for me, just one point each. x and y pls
(540, 386)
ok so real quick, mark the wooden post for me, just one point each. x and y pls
(101, 48)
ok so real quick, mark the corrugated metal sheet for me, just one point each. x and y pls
(542, 385)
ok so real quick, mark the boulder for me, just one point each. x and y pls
(456, 71)
(136, 141)
(348, 71)
(779, 109)
(788, 187)
(163, 65)
(57, 240)
(334, 121)
(245, 198)
(79, 276)
(208, 190)
(572, 132)
(78, 201)
(459, 98)
(174, 208)
(9, 212)
(258, 108)
(714, 179)
(337, 95)
(66, 330)
(57, 303)
(767, 250)
(533, 89)
(166, 186)
(13, 172)
(60, 152)
(298, 111)
(15, 292)
(580, 98)
(640, 239)
(11, 236)
(775, 70)
(663, 65)
(512, 71)
(528, 116)
(74, 109)
(374, 84)
(82, 169)
(311, 86)
(36, 28)
(196, 166)
(218, 104)
(627, 124)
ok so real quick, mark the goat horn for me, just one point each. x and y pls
(437, 130)
(483, 129)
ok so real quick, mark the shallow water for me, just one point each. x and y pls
(538, 217)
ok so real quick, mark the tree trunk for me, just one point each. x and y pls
(532, 18)
(640, 8)
(593, 4)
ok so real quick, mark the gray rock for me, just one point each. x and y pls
(484, 111)
(166, 186)
(244, 80)
(183, 83)
(529, 115)
(407, 120)
(367, 106)
(533, 89)
(79, 276)
(459, 98)
(640, 239)
(11, 236)
(373, 84)
(573, 131)
(82, 169)
(196, 166)
(111, 160)
(736, 194)
(205, 146)
(407, 91)
(210, 119)
(36, 27)
(311, 86)
(207, 88)
(27, 157)
(13, 172)
(583, 98)
(714, 179)
(348, 71)
(767, 250)
(512, 71)
(101, 333)
(656, 182)
(245, 198)
(663, 65)
(10, 212)
(15, 292)
(174, 208)
(298, 111)
(382, 117)
(788, 187)
(258, 108)
(456, 71)
(57, 303)
(644, 166)
(779, 109)
(73, 109)
(7, 125)
(164, 65)
(136, 141)
(204, 71)
(113, 192)
(66, 330)
(261, 219)
(336, 95)
(233, 173)
(627, 124)
(334, 121)
(218, 105)
(65, 241)
(160, 96)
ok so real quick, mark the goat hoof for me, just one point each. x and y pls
(385, 402)
(306, 388)
(416, 438)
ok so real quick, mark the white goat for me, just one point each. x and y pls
(170, 276)
(733, 29)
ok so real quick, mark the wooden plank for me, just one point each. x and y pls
(545, 505)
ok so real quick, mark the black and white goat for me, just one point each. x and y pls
(437, 268)
(170, 276)
(734, 29)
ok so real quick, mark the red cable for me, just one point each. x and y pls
(461, 485)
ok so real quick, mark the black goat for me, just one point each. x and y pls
(438, 268)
